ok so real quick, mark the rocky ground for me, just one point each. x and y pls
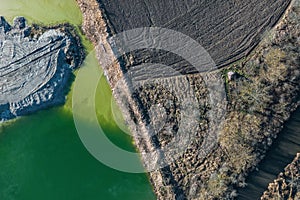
(286, 186)
(260, 92)
(36, 66)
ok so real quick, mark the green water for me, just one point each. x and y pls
(41, 155)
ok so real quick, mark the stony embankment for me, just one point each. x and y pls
(286, 186)
(261, 90)
(36, 66)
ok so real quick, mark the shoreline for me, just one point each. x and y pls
(218, 174)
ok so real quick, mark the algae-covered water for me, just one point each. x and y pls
(41, 155)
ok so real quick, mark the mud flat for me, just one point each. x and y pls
(36, 66)
(259, 97)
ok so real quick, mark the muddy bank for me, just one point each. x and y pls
(36, 66)
(259, 99)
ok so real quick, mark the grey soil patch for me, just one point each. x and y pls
(36, 66)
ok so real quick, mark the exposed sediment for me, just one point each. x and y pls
(36, 66)
(286, 186)
(260, 97)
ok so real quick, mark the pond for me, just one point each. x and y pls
(41, 155)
